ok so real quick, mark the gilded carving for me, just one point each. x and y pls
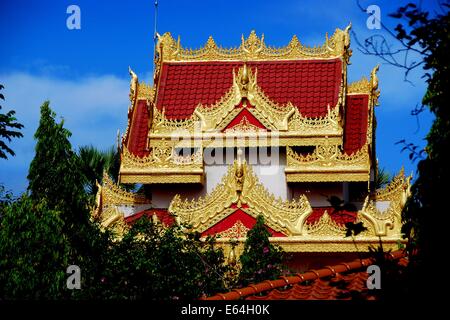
(162, 165)
(108, 199)
(388, 221)
(360, 86)
(254, 48)
(285, 119)
(133, 85)
(241, 188)
(113, 194)
(328, 163)
(325, 226)
(238, 230)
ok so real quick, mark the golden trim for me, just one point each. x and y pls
(113, 194)
(253, 48)
(163, 178)
(110, 196)
(325, 226)
(298, 245)
(146, 92)
(361, 86)
(248, 139)
(327, 176)
(112, 219)
(138, 91)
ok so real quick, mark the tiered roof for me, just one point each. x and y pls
(296, 92)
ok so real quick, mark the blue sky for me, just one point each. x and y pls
(84, 73)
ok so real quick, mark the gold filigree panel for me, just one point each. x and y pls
(328, 163)
(238, 230)
(162, 165)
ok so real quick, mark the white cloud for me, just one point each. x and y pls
(93, 109)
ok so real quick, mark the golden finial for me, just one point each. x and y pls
(239, 174)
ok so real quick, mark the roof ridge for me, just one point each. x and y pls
(309, 275)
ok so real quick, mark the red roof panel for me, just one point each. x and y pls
(309, 84)
(356, 121)
(137, 137)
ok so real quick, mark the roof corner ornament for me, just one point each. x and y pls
(98, 206)
(347, 52)
(134, 83)
(339, 43)
(375, 93)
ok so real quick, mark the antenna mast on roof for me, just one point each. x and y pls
(155, 32)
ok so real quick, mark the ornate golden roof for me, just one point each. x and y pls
(254, 48)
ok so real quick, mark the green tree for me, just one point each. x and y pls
(56, 178)
(429, 191)
(33, 252)
(425, 36)
(54, 172)
(153, 262)
(8, 129)
(260, 259)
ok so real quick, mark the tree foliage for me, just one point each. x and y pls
(426, 35)
(9, 128)
(429, 191)
(49, 229)
(152, 262)
(33, 252)
(54, 171)
(382, 178)
(260, 259)
(94, 162)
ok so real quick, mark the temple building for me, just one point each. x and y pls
(224, 135)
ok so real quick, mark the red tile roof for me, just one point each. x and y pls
(341, 217)
(329, 283)
(356, 120)
(137, 137)
(309, 84)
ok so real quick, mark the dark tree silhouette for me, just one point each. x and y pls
(8, 129)
(427, 35)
